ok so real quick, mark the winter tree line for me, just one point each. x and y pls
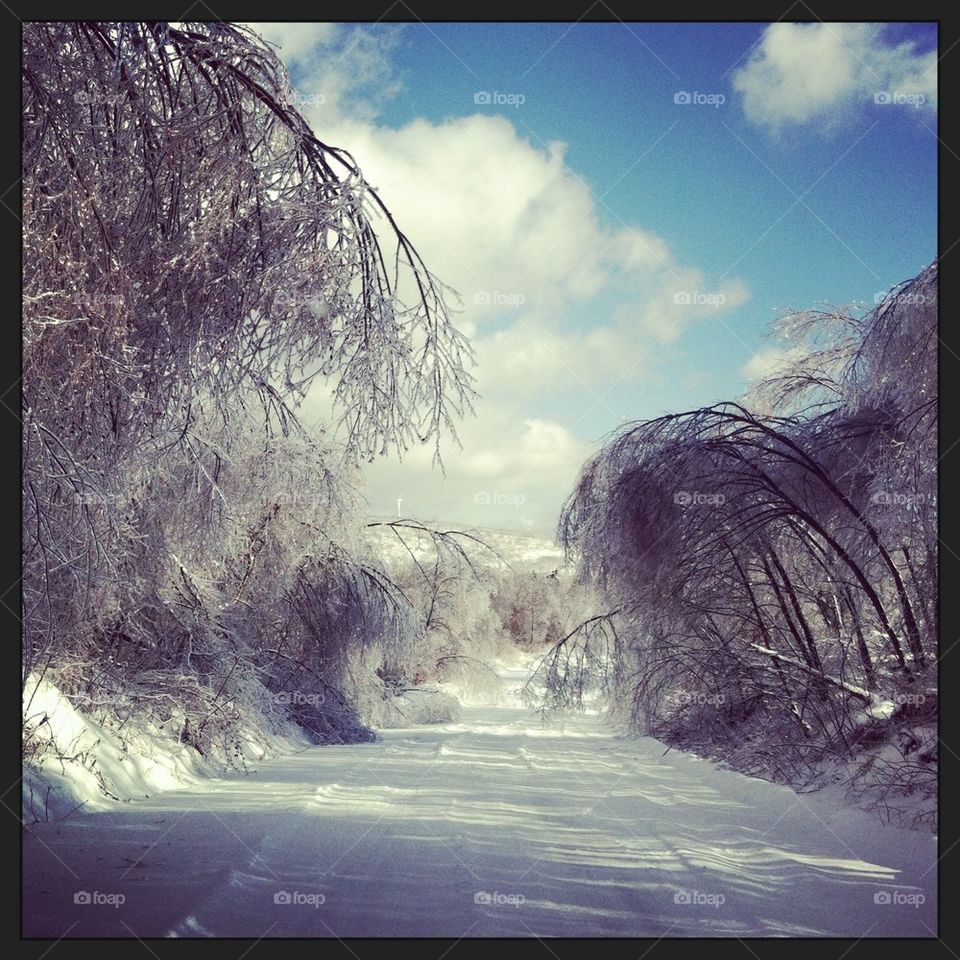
(195, 259)
(771, 564)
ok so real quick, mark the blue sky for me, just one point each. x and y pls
(786, 185)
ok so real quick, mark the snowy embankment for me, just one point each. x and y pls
(81, 761)
(493, 825)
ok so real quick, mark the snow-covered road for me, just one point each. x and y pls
(492, 826)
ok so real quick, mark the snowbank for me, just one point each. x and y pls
(77, 759)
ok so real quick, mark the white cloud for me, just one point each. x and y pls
(558, 303)
(514, 471)
(534, 358)
(297, 42)
(819, 72)
(336, 70)
(769, 360)
(496, 217)
(635, 248)
(680, 299)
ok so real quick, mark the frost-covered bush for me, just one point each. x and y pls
(194, 260)
(770, 565)
(421, 705)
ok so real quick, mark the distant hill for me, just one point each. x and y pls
(521, 550)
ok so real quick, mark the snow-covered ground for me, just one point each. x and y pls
(88, 762)
(494, 825)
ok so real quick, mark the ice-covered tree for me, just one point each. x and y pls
(195, 258)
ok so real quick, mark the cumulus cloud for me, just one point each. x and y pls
(499, 219)
(818, 73)
(559, 304)
(336, 70)
(297, 42)
(680, 298)
(532, 358)
(513, 471)
(768, 361)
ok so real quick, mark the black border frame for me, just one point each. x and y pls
(947, 944)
